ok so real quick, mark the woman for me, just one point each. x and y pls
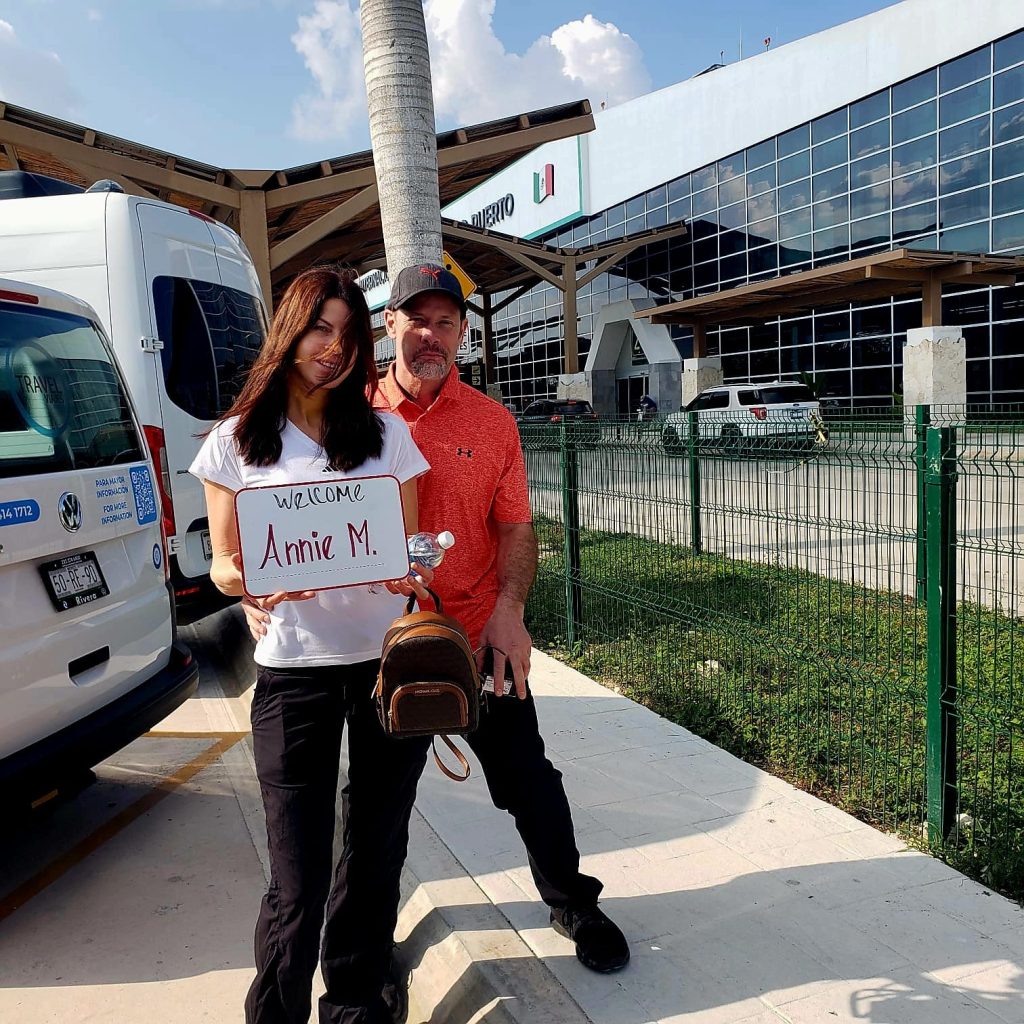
(304, 414)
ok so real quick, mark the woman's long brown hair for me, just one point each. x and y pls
(352, 431)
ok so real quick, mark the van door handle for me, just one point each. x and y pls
(88, 661)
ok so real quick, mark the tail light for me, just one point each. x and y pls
(556, 419)
(158, 449)
(759, 412)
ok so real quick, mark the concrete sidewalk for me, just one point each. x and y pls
(744, 899)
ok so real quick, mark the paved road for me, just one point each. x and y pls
(851, 518)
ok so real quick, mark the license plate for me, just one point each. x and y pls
(207, 545)
(74, 581)
(797, 414)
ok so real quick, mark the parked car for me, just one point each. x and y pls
(178, 296)
(778, 414)
(88, 658)
(578, 416)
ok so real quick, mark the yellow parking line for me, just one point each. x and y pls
(66, 861)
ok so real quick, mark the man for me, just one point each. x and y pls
(477, 488)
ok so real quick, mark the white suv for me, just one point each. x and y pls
(733, 416)
(88, 659)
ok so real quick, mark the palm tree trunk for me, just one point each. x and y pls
(396, 63)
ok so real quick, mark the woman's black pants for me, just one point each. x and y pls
(298, 716)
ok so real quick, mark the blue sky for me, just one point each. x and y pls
(274, 83)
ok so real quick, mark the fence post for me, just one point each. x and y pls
(940, 500)
(571, 524)
(922, 420)
(693, 467)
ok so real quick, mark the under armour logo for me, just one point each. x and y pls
(465, 453)
(434, 272)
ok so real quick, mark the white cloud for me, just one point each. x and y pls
(474, 77)
(33, 78)
(93, 14)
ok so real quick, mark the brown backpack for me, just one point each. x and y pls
(428, 684)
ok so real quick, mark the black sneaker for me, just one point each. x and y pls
(395, 991)
(600, 944)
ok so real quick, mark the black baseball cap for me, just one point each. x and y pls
(425, 277)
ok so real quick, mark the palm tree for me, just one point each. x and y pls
(396, 63)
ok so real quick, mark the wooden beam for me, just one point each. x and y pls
(605, 264)
(112, 163)
(508, 300)
(884, 273)
(570, 324)
(323, 226)
(487, 314)
(512, 143)
(253, 225)
(700, 340)
(931, 303)
(133, 188)
(12, 155)
(320, 188)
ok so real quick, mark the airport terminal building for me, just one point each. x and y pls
(903, 129)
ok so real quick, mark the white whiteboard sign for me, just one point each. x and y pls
(321, 534)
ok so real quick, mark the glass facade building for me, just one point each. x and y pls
(932, 162)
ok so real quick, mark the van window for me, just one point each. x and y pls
(211, 336)
(62, 403)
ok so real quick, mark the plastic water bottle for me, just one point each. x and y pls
(428, 548)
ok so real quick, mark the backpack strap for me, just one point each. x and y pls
(412, 601)
(459, 755)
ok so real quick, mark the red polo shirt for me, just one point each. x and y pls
(477, 479)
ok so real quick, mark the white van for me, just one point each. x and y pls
(180, 299)
(88, 658)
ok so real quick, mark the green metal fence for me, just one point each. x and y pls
(842, 606)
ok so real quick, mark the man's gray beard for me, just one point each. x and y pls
(429, 369)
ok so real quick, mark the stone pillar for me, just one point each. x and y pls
(935, 372)
(699, 374)
(575, 385)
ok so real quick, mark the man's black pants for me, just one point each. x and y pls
(525, 783)
(297, 720)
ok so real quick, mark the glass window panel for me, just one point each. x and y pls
(1006, 341)
(831, 212)
(913, 188)
(635, 207)
(1008, 160)
(911, 123)
(703, 227)
(831, 241)
(765, 363)
(616, 215)
(705, 249)
(875, 383)
(871, 231)
(978, 379)
(830, 184)
(1008, 87)
(1009, 51)
(794, 167)
(973, 238)
(792, 196)
(873, 320)
(913, 220)
(733, 216)
(761, 154)
(870, 170)
(1008, 303)
(964, 103)
(705, 275)
(869, 140)
(735, 367)
(679, 189)
(967, 172)
(965, 69)
(929, 242)
(733, 267)
(963, 207)
(657, 197)
(796, 223)
(913, 90)
(796, 250)
(634, 224)
(832, 355)
(705, 177)
(965, 307)
(869, 109)
(913, 156)
(705, 202)
(964, 138)
(867, 202)
(829, 126)
(679, 210)
(795, 140)
(761, 207)
(1008, 123)
(832, 326)
(763, 260)
(1008, 196)
(873, 351)
(731, 242)
(829, 154)
(657, 218)
(732, 191)
(761, 180)
(730, 166)
(1008, 232)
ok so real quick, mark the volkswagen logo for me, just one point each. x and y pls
(69, 508)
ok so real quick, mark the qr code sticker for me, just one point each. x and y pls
(145, 499)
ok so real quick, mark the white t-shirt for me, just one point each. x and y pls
(337, 627)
